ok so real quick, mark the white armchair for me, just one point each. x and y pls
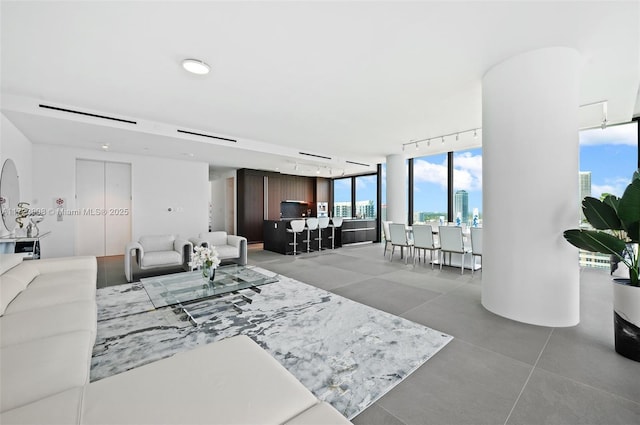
(230, 247)
(156, 252)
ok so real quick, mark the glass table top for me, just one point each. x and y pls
(186, 287)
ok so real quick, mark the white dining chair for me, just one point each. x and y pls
(476, 247)
(387, 236)
(400, 238)
(423, 240)
(451, 241)
(296, 227)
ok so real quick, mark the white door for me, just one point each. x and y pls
(118, 206)
(103, 200)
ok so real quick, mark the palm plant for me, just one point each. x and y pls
(617, 227)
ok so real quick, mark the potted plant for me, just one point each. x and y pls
(616, 223)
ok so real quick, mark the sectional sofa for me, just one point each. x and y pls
(47, 331)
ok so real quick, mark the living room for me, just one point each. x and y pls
(340, 82)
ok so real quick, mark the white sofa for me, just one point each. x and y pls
(157, 251)
(230, 247)
(48, 329)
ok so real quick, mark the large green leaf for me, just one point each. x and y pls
(594, 241)
(612, 201)
(600, 215)
(629, 210)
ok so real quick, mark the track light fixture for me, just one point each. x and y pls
(457, 134)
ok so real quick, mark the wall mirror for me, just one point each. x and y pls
(9, 194)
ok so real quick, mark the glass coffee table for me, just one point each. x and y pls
(184, 288)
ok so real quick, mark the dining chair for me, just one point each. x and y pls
(451, 241)
(387, 236)
(476, 247)
(400, 238)
(296, 226)
(423, 239)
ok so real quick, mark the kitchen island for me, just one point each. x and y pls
(277, 239)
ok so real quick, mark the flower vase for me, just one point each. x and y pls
(212, 274)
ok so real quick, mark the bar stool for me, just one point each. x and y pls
(336, 222)
(312, 225)
(296, 226)
(323, 223)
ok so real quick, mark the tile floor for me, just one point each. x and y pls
(495, 371)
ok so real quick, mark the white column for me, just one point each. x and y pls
(530, 187)
(396, 188)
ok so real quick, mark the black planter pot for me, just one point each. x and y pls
(626, 319)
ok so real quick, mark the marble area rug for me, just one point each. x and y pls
(344, 352)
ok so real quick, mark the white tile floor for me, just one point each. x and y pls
(496, 371)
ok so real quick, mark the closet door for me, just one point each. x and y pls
(90, 234)
(118, 206)
(103, 199)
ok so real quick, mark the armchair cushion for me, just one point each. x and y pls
(161, 259)
(157, 243)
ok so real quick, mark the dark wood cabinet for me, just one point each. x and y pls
(260, 192)
(356, 230)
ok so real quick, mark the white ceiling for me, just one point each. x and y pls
(348, 80)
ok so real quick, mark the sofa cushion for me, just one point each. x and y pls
(47, 321)
(320, 414)
(61, 408)
(8, 261)
(214, 238)
(230, 381)
(226, 251)
(9, 289)
(161, 258)
(64, 264)
(84, 277)
(37, 369)
(157, 243)
(25, 272)
(38, 296)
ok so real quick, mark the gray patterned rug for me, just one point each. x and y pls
(346, 353)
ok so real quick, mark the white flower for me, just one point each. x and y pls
(204, 256)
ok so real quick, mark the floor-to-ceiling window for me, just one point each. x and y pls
(467, 187)
(608, 158)
(366, 196)
(342, 197)
(430, 189)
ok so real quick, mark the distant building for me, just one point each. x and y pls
(365, 209)
(461, 205)
(585, 188)
(342, 209)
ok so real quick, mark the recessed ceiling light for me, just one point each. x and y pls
(105, 146)
(196, 66)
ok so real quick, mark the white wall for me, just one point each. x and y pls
(158, 184)
(14, 145)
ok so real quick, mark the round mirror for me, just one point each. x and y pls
(9, 194)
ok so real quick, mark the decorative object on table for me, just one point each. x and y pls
(475, 217)
(617, 232)
(35, 219)
(22, 213)
(208, 259)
